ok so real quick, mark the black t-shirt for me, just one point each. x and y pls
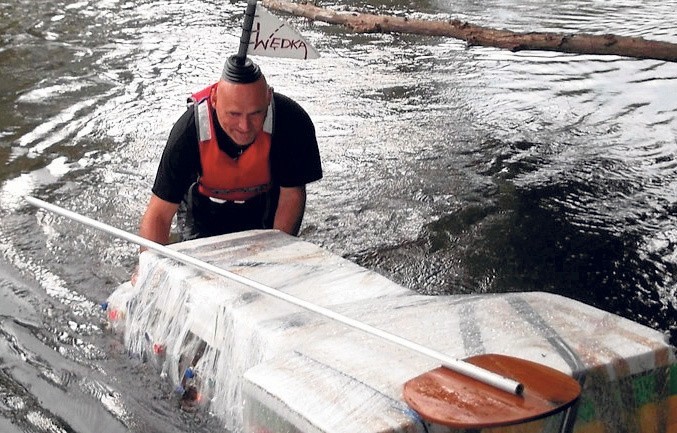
(294, 154)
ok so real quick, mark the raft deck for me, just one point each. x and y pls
(265, 365)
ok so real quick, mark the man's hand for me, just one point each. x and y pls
(135, 275)
(155, 225)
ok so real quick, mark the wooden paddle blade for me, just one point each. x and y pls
(445, 397)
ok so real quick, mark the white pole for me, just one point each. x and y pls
(467, 369)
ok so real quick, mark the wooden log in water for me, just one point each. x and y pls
(580, 43)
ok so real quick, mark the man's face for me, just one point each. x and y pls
(241, 109)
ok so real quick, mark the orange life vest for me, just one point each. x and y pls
(225, 178)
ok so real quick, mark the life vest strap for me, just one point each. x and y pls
(218, 193)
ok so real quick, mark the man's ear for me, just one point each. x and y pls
(212, 95)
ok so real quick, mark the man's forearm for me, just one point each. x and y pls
(157, 220)
(154, 229)
(290, 209)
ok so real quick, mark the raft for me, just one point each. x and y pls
(260, 364)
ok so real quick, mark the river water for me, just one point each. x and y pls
(449, 169)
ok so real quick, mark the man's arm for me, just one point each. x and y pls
(290, 208)
(157, 220)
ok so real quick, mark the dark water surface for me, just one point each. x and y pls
(450, 170)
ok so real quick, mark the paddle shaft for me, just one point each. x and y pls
(467, 369)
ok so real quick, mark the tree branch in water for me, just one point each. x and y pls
(477, 35)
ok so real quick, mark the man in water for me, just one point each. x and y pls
(238, 159)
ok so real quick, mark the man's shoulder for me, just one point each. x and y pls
(187, 118)
(283, 99)
(287, 106)
(183, 132)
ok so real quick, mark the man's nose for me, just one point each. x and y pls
(244, 124)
